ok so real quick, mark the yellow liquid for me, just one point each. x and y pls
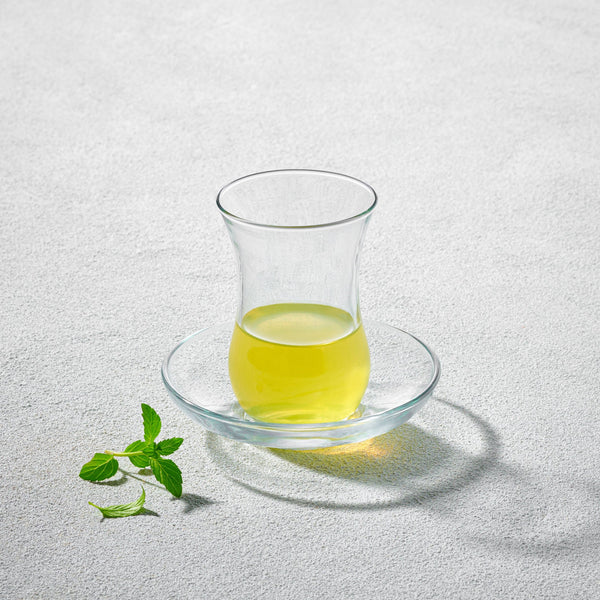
(298, 363)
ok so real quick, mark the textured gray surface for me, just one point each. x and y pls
(477, 122)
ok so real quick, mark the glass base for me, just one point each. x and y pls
(357, 413)
(404, 373)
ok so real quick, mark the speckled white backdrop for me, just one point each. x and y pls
(478, 124)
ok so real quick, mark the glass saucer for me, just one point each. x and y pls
(404, 373)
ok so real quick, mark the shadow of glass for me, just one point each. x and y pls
(403, 454)
(425, 463)
(542, 514)
(408, 464)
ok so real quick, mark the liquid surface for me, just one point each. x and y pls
(298, 363)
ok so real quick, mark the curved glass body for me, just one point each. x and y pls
(298, 353)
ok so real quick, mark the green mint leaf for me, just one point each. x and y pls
(140, 461)
(123, 510)
(168, 473)
(150, 450)
(102, 466)
(168, 446)
(151, 423)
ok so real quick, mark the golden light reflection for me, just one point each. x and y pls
(357, 448)
(375, 448)
(388, 456)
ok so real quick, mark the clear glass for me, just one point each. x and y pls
(404, 374)
(298, 353)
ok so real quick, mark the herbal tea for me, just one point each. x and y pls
(298, 363)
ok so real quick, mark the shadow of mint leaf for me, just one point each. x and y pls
(193, 501)
(111, 482)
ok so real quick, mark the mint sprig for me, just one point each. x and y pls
(152, 423)
(168, 473)
(142, 454)
(102, 466)
(140, 461)
(123, 510)
(169, 446)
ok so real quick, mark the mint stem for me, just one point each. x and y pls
(138, 453)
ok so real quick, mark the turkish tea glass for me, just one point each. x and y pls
(298, 352)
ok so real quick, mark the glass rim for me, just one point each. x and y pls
(229, 215)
